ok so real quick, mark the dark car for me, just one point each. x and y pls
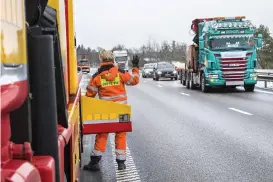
(164, 70)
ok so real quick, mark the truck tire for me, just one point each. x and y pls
(191, 85)
(181, 77)
(187, 84)
(204, 88)
(249, 88)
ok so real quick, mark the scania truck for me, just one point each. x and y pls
(121, 59)
(223, 54)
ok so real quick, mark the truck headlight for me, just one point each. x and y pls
(253, 76)
(159, 72)
(213, 76)
(146, 71)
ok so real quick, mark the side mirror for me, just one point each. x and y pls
(201, 43)
(260, 41)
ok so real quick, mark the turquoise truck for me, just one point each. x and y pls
(223, 54)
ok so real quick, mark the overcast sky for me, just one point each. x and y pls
(106, 23)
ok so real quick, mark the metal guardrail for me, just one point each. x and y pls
(265, 75)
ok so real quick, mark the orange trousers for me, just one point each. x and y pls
(120, 145)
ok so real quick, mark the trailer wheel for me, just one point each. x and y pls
(204, 88)
(187, 84)
(191, 85)
(181, 77)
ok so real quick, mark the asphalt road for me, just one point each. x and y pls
(185, 135)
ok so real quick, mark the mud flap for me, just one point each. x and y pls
(101, 116)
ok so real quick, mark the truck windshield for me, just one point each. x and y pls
(83, 63)
(227, 43)
(121, 59)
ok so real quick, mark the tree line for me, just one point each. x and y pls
(153, 51)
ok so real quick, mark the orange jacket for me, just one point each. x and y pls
(109, 82)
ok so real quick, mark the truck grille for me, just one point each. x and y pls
(121, 66)
(234, 69)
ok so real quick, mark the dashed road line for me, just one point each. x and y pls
(263, 91)
(182, 93)
(130, 173)
(240, 111)
(159, 85)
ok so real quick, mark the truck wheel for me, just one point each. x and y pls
(249, 88)
(184, 83)
(191, 85)
(204, 88)
(187, 84)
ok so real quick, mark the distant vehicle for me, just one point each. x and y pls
(148, 70)
(84, 65)
(121, 59)
(164, 70)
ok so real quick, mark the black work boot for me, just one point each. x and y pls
(121, 164)
(93, 165)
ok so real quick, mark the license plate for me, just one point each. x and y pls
(228, 83)
(167, 74)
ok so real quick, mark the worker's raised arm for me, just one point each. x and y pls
(92, 88)
(131, 79)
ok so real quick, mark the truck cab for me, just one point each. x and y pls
(223, 54)
(84, 65)
(121, 59)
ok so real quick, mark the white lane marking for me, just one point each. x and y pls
(144, 81)
(262, 91)
(240, 111)
(159, 85)
(182, 93)
(130, 173)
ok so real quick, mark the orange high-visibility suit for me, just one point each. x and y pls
(109, 82)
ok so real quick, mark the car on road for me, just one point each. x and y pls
(164, 70)
(147, 70)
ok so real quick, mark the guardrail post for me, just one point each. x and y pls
(265, 84)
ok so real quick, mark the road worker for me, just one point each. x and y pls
(109, 82)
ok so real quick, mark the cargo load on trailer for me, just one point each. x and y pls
(223, 54)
